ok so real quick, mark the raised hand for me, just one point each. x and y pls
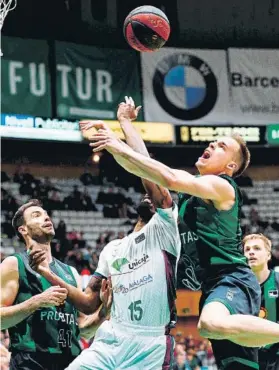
(128, 110)
(104, 137)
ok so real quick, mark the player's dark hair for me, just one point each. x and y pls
(18, 219)
(244, 154)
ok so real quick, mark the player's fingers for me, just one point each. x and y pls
(98, 137)
(97, 124)
(60, 290)
(132, 101)
(98, 142)
(37, 261)
(138, 109)
(85, 125)
(35, 253)
(127, 100)
(109, 282)
(100, 148)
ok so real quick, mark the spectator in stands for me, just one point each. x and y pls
(193, 360)
(275, 224)
(61, 230)
(54, 200)
(181, 362)
(73, 200)
(6, 226)
(86, 202)
(87, 178)
(8, 202)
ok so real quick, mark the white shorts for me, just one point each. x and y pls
(118, 346)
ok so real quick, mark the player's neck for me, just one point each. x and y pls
(139, 225)
(262, 275)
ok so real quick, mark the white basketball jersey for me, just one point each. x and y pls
(143, 268)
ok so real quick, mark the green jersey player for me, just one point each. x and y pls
(257, 249)
(43, 325)
(231, 294)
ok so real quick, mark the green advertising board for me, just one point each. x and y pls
(273, 134)
(92, 81)
(25, 77)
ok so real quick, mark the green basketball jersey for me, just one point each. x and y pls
(212, 237)
(270, 303)
(50, 329)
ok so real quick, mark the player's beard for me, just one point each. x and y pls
(145, 211)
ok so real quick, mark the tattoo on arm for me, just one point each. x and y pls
(95, 284)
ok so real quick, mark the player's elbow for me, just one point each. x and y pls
(87, 305)
(213, 328)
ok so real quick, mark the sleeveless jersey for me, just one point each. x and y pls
(143, 267)
(270, 304)
(210, 238)
(51, 329)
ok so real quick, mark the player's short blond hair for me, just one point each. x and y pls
(267, 242)
(244, 155)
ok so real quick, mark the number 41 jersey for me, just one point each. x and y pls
(143, 269)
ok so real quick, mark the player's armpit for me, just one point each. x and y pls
(210, 187)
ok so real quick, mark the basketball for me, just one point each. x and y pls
(146, 28)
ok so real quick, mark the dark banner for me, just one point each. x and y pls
(200, 135)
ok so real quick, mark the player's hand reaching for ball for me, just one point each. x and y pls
(128, 110)
(53, 296)
(103, 138)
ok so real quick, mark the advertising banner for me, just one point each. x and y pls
(254, 78)
(92, 81)
(25, 77)
(185, 85)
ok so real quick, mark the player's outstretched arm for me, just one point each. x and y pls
(207, 187)
(10, 314)
(87, 302)
(126, 113)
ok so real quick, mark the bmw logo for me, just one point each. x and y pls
(185, 86)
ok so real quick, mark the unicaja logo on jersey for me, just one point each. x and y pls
(185, 86)
(119, 263)
(139, 262)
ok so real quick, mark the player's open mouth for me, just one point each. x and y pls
(48, 224)
(206, 155)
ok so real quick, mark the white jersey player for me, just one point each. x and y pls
(142, 267)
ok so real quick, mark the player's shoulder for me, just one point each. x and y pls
(111, 244)
(10, 263)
